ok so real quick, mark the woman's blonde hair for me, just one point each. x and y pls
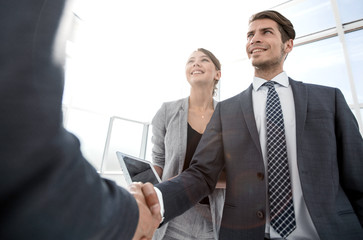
(216, 63)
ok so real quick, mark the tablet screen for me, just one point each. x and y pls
(140, 171)
(137, 170)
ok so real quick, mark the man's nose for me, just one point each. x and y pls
(256, 38)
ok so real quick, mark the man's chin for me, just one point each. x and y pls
(258, 64)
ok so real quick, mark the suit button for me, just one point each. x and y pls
(260, 214)
(260, 176)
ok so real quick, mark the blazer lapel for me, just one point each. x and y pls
(301, 101)
(183, 131)
(248, 115)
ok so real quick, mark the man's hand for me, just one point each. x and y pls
(149, 210)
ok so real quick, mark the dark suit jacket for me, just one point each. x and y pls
(329, 156)
(47, 189)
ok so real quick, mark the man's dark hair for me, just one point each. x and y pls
(285, 26)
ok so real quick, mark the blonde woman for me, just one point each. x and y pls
(177, 128)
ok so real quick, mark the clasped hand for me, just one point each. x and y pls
(149, 210)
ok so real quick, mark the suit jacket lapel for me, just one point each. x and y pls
(301, 101)
(248, 115)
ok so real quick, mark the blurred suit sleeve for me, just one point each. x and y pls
(47, 189)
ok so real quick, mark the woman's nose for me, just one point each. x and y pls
(196, 63)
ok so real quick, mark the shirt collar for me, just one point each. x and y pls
(281, 79)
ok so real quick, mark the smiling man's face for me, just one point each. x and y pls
(264, 46)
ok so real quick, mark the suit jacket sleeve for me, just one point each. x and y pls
(350, 154)
(47, 189)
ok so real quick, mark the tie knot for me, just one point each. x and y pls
(269, 84)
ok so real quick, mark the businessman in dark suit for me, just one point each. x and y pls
(323, 144)
(47, 189)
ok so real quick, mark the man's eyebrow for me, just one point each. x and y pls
(267, 28)
(249, 32)
(261, 30)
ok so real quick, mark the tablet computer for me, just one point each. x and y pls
(137, 170)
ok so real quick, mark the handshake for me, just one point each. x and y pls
(149, 210)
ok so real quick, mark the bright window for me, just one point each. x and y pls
(309, 16)
(350, 10)
(355, 51)
(320, 62)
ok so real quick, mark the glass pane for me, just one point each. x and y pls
(358, 118)
(236, 77)
(126, 137)
(91, 129)
(354, 42)
(309, 16)
(350, 10)
(320, 62)
(148, 154)
(360, 121)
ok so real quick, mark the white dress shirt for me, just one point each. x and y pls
(304, 226)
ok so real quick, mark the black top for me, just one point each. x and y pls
(193, 138)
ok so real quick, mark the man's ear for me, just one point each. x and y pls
(289, 44)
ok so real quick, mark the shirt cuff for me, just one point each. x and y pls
(161, 202)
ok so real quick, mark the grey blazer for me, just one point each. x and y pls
(329, 158)
(169, 128)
